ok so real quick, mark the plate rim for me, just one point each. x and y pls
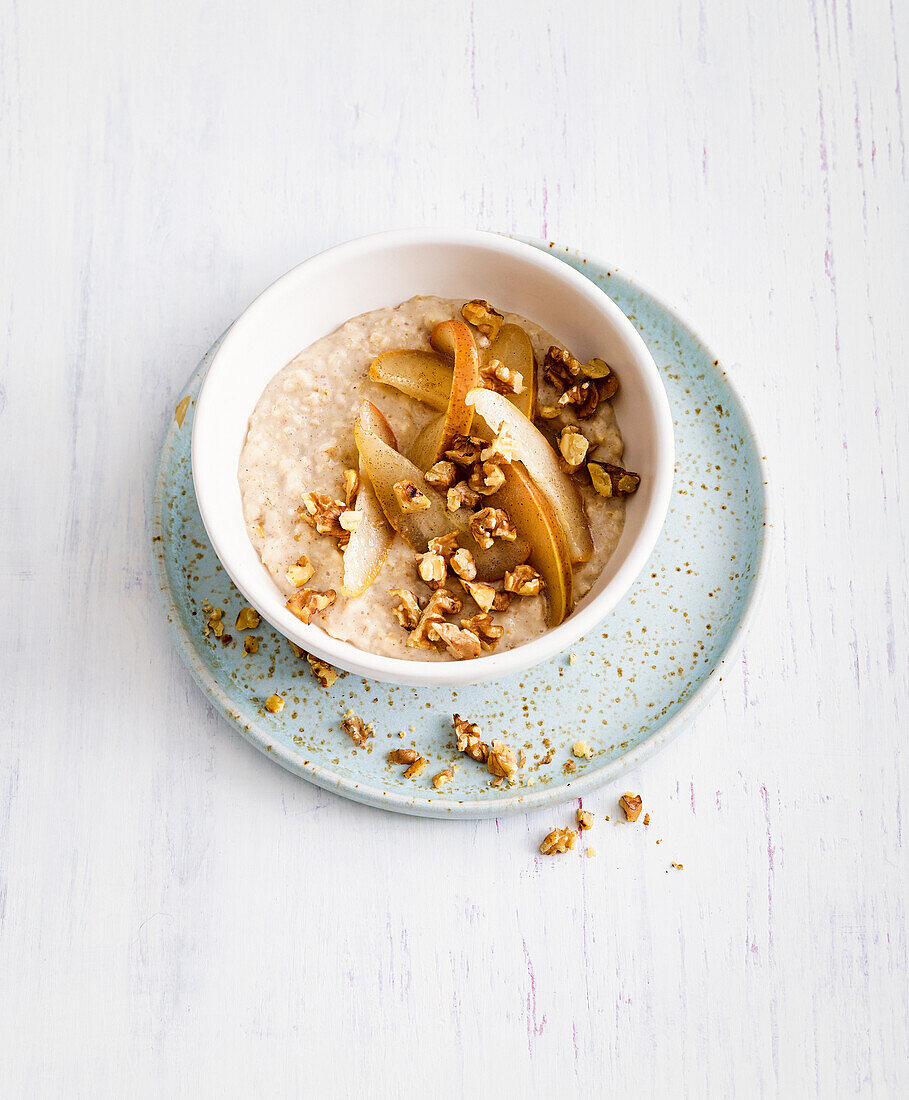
(528, 800)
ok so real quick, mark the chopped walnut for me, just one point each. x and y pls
(462, 564)
(443, 777)
(585, 819)
(558, 841)
(524, 580)
(482, 594)
(502, 760)
(461, 643)
(410, 498)
(214, 620)
(502, 601)
(486, 478)
(612, 481)
(350, 520)
(308, 602)
(322, 512)
(631, 804)
(442, 475)
(485, 629)
(275, 704)
(351, 485)
(251, 644)
(481, 315)
(489, 524)
(646, 819)
(444, 545)
(549, 412)
(441, 603)
(432, 569)
(569, 766)
(402, 756)
(597, 369)
(415, 768)
(300, 572)
(358, 730)
(322, 670)
(573, 446)
(496, 376)
(408, 610)
(582, 750)
(468, 739)
(585, 396)
(248, 619)
(560, 368)
(502, 449)
(461, 496)
(465, 450)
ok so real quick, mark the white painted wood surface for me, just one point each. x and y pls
(179, 917)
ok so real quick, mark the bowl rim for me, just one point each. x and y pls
(493, 666)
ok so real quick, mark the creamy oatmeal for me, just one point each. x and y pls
(301, 441)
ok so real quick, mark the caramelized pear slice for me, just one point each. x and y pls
(368, 547)
(456, 339)
(540, 460)
(533, 516)
(512, 347)
(386, 467)
(425, 375)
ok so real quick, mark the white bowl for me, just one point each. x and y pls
(383, 270)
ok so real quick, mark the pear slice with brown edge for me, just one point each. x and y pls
(535, 519)
(513, 349)
(454, 338)
(425, 375)
(368, 546)
(540, 460)
(386, 467)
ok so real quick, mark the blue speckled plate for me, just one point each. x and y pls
(633, 684)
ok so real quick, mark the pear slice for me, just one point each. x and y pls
(512, 347)
(533, 516)
(368, 547)
(385, 467)
(425, 375)
(455, 338)
(542, 465)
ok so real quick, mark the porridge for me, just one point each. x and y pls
(435, 480)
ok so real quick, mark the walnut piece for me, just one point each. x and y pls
(410, 498)
(485, 629)
(415, 768)
(573, 446)
(523, 580)
(322, 670)
(432, 569)
(582, 750)
(502, 760)
(442, 475)
(560, 368)
(465, 450)
(585, 396)
(408, 610)
(323, 512)
(481, 315)
(300, 572)
(502, 449)
(441, 603)
(443, 777)
(248, 619)
(549, 412)
(558, 841)
(486, 478)
(251, 644)
(631, 804)
(563, 371)
(402, 756)
(358, 730)
(444, 545)
(462, 644)
(468, 739)
(482, 594)
(462, 564)
(585, 819)
(496, 376)
(612, 481)
(489, 524)
(351, 485)
(275, 703)
(461, 496)
(309, 601)
(214, 620)
(350, 520)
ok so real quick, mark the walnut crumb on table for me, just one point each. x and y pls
(585, 819)
(631, 804)
(591, 852)
(558, 841)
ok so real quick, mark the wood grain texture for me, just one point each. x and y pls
(178, 916)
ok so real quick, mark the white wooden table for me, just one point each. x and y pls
(179, 917)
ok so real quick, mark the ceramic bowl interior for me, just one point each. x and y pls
(318, 296)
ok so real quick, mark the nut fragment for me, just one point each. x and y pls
(462, 644)
(502, 760)
(549, 412)
(468, 739)
(462, 564)
(502, 449)
(485, 629)
(631, 804)
(251, 644)
(612, 481)
(432, 569)
(585, 819)
(309, 601)
(408, 610)
(597, 368)
(358, 730)
(489, 524)
(582, 750)
(585, 396)
(444, 545)
(410, 498)
(558, 841)
(322, 670)
(573, 445)
(486, 478)
(482, 594)
(300, 572)
(351, 485)
(496, 376)
(248, 619)
(322, 512)
(461, 496)
(350, 520)
(275, 704)
(402, 756)
(443, 777)
(415, 768)
(214, 620)
(442, 475)
(524, 580)
(441, 603)
(481, 315)
(560, 368)
(464, 450)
